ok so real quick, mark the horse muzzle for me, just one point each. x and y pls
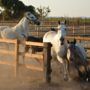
(37, 22)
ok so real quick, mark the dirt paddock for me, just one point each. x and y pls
(34, 80)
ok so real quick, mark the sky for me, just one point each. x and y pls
(66, 8)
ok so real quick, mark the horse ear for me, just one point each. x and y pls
(65, 22)
(74, 41)
(68, 41)
(59, 22)
(26, 13)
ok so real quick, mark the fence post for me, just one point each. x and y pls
(47, 62)
(16, 56)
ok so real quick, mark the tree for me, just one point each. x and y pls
(15, 8)
(31, 9)
(43, 12)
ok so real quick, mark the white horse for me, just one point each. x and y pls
(59, 46)
(21, 30)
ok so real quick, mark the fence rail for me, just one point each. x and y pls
(78, 38)
(40, 30)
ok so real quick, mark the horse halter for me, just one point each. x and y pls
(62, 40)
(27, 18)
(31, 21)
(23, 35)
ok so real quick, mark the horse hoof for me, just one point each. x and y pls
(65, 78)
(69, 79)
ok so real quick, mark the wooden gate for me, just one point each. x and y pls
(45, 57)
(10, 52)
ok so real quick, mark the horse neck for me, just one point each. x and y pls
(59, 34)
(23, 23)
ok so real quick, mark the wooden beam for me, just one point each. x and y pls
(7, 63)
(8, 41)
(16, 57)
(7, 52)
(47, 61)
(78, 38)
(32, 67)
(38, 56)
(34, 43)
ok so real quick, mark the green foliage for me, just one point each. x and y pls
(15, 8)
(7, 3)
(6, 14)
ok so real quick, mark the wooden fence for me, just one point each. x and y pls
(39, 31)
(78, 38)
(14, 53)
(44, 58)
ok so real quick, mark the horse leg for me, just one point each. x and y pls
(66, 69)
(33, 49)
(65, 65)
(23, 52)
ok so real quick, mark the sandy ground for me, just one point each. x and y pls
(34, 80)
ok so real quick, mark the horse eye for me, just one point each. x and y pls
(65, 29)
(32, 17)
(28, 13)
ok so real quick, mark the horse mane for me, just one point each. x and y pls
(21, 21)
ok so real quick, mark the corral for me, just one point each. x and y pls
(29, 79)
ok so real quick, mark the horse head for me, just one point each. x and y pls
(62, 25)
(71, 49)
(31, 17)
(62, 31)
